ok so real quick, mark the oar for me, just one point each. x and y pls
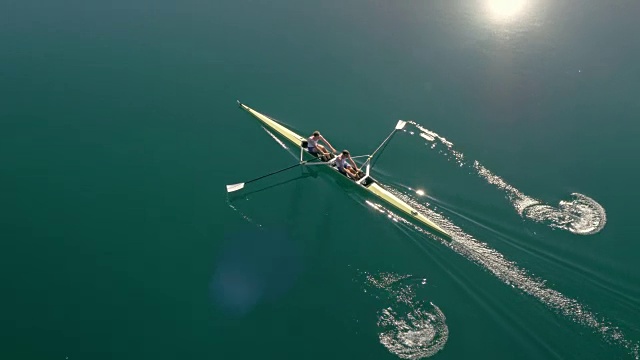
(238, 186)
(399, 126)
(359, 156)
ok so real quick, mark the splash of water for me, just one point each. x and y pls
(409, 328)
(509, 272)
(580, 215)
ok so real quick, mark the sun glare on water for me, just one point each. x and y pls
(504, 9)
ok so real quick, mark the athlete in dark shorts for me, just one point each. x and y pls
(342, 162)
(314, 148)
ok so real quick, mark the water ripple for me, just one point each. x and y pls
(580, 214)
(409, 328)
(510, 272)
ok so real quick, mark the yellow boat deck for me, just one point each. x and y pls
(371, 186)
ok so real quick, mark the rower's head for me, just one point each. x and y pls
(346, 153)
(316, 134)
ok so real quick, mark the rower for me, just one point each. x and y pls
(345, 168)
(318, 150)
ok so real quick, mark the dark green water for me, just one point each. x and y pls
(119, 130)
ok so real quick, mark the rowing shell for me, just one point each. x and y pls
(368, 184)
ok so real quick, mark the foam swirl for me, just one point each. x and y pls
(409, 328)
(580, 215)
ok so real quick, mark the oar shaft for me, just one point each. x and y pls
(360, 156)
(275, 172)
(379, 147)
(238, 186)
(399, 126)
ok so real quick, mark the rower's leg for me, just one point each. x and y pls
(329, 155)
(352, 173)
(323, 152)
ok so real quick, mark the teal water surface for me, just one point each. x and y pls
(119, 131)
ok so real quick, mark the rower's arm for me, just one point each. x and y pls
(354, 164)
(326, 142)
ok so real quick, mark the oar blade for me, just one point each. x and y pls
(235, 187)
(400, 124)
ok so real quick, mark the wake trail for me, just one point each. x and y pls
(509, 272)
(413, 333)
(580, 214)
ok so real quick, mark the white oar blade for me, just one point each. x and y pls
(235, 187)
(400, 124)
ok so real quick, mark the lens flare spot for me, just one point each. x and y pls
(254, 267)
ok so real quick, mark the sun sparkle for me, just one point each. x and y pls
(505, 8)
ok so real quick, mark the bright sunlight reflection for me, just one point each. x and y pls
(505, 8)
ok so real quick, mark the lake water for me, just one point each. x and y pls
(119, 131)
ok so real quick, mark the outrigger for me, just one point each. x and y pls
(364, 179)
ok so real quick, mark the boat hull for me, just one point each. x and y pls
(369, 184)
